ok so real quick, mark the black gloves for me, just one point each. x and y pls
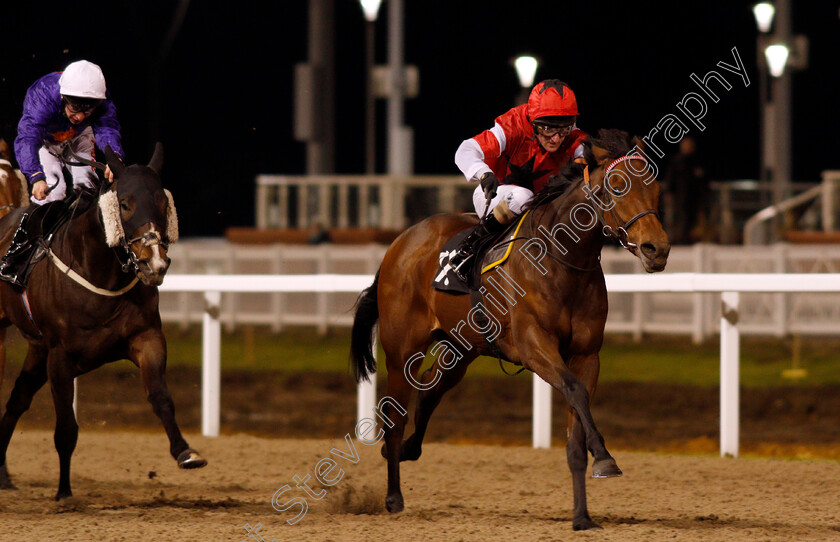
(489, 183)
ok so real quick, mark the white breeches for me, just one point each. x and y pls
(516, 197)
(82, 145)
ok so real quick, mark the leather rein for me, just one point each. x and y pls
(619, 233)
(132, 262)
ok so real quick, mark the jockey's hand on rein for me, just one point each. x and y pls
(489, 183)
(39, 190)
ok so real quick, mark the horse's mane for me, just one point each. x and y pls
(616, 142)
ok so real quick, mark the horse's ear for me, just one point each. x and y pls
(638, 142)
(156, 163)
(600, 154)
(114, 162)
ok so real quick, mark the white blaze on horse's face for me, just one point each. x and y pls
(150, 251)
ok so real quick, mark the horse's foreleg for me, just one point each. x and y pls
(148, 352)
(61, 376)
(576, 457)
(32, 377)
(558, 375)
(434, 383)
(586, 368)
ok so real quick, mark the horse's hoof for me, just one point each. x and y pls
(63, 494)
(410, 452)
(584, 524)
(190, 459)
(5, 479)
(394, 503)
(605, 468)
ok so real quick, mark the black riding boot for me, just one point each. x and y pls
(462, 261)
(20, 249)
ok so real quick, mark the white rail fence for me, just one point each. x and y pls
(729, 286)
(695, 315)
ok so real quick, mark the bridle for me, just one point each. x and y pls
(620, 232)
(149, 239)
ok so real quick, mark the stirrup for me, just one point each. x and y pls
(10, 278)
(458, 268)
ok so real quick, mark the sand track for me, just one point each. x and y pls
(465, 492)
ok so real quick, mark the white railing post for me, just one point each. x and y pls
(211, 336)
(366, 396)
(542, 413)
(729, 374)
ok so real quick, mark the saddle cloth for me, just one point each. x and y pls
(492, 251)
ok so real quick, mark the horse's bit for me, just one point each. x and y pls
(150, 239)
(620, 233)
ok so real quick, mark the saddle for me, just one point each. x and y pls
(491, 250)
(35, 233)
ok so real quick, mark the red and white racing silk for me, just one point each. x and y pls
(510, 150)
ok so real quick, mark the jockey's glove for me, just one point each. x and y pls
(489, 183)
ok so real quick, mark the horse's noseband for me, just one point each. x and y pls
(620, 232)
(149, 239)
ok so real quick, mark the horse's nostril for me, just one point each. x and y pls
(649, 249)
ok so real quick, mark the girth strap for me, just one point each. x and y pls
(483, 323)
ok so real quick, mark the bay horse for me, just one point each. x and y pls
(12, 191)
(545, 309)
(13, 194)
(93, 299)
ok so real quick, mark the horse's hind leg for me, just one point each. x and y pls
(66, 434)
(399, 348)
(434, 383)
(33, 375)
(148, 352)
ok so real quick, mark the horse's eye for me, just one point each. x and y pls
(124, 207)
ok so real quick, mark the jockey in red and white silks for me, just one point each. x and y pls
(515, 158)
(525, 147)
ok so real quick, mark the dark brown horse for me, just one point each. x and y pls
(545, 310)
(93, 299)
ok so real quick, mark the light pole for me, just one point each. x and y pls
(526, 70)
(371, 10)
(781, 54)
(764, 12)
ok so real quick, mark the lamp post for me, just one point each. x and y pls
(764, 12)
(371, 11)
(780, 53)
(526, 70)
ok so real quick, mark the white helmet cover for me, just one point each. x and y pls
(82, 79)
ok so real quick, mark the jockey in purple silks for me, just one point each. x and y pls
(61, 109)
(73, 106)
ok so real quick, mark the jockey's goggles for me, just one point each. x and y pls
(550, 131)
(77, 106)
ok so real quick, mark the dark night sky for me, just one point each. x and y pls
(225, 107)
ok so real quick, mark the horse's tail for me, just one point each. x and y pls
(361, 341)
